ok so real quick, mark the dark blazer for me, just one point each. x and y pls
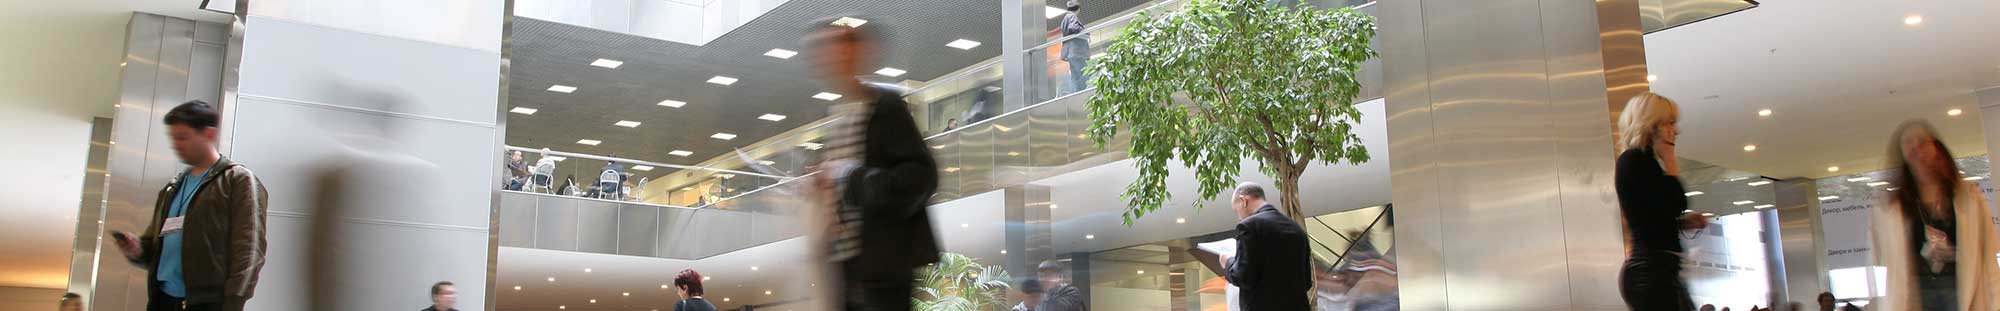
(893, 187)
(1272, 265)
(1651, 202)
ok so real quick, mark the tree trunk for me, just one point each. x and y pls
(1288, 196)
(1288, 203)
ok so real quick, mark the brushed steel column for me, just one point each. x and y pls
(1029, 236)
(1501, 151)
(1803, 249)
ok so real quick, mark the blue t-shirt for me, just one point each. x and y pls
(169, 271)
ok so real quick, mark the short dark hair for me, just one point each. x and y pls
(868, 33)
(690, 280)
(195, 114)
(1250, 189)
(1031, 286)
(439, 287)
(69, 297)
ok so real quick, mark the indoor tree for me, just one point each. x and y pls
(958, 283)
(1221, 80)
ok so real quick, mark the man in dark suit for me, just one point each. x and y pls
(1271, 264)
(882, 232)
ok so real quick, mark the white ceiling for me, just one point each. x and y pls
(62, 60)
(1839, 76)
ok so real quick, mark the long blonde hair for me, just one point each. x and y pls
(1642, 117)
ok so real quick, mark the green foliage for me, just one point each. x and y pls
(957, 283)
(1221, 80)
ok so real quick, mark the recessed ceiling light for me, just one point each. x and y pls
(781, 53)
(593, 301)
(680, 153)
(524, 110)
(1694, 193)
(963, 44)
(1975, 178)
(628, 294)
(517, 287)
(1142, 271)
(953, 169)
(725, 299)
(890, 71)
(664, 286)
(562, 88)
(1953, 112)
(1878, 184)
(562, 307)
(1181, 220)
(1749, 147)
(591, 142)
(1089, 236)
(642, 168)
(767, 292)
(811, 146)
(1743, 202)
(1052, 12)
(772, 117)
(673, 103)
(1052, 206)
(586, 270)
(626, 123)
(1759, 183)
(1651, 78)
(722, 80)
(1913, 20)
(766, 162)
(1003, 251)
(1013, 154)
(826, 96)
(753, 268)
(723, 136)
(1830, 197)
(1858, 179)
(552, 279)
(1764, 113)
(1833, 168)
(849, 21)
(704, 278)
(606, 63)
(964, 225)
(1762, 206)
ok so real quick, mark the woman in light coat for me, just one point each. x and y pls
(1933, 231)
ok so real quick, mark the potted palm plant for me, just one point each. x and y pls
(957, 283)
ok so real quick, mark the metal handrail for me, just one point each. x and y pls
(647, 163)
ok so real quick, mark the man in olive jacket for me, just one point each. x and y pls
(205, 244)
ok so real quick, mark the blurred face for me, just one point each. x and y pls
(1826, 302)
(190, 144)
(516, 156)
(1920, 149)
(836, 56)
(1667, 133)
(1241, 204)
(1050, 279)
(446, 298)
(72, 305)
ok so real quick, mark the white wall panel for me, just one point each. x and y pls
(289, 60)
(464, 23)
(379, 153)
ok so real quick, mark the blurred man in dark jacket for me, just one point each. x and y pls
(1057, 294)
(883, 172)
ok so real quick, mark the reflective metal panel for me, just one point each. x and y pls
(1499, 148)
(1011, 147)
(975, 158)
(1049, 136)
(1804, 253)
(597, 226)
(517, 223)
(638, 229)
(555, 223)
(945, 149)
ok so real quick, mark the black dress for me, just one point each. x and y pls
(1652, 203)
(693, 304)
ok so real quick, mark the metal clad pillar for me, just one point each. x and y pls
(1803, 248)
(1501, 150)
(1021, 26)
(1028, 232)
